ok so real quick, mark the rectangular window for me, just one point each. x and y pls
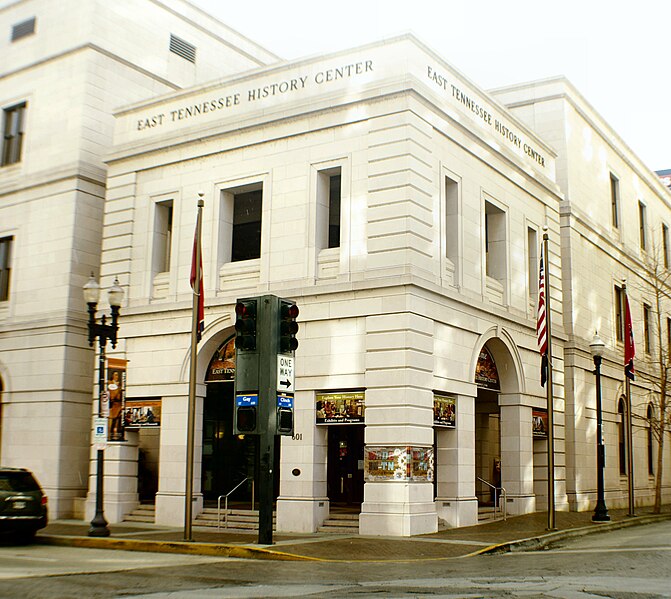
(532, 262)
(5, 266)
(642, 226)
(23, 29)
(495, 242)
(619, 314)
(665, 245)
(246, 234)
(647, 324)
(13, 118)
(334, 210)
(615, 201)
(163, 236)
(182, 48)
(452, 219)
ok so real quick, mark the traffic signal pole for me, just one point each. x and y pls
(267, 339)
(265, 342)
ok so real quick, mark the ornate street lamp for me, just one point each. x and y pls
(597, 348)
(103, 332)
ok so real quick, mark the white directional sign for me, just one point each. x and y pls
(285, 373)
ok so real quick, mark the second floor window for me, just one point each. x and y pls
(12, 130)
(163, 236)
(619, 314)
(647, 328)
(642, 225)
(5, 266)
(246, 234)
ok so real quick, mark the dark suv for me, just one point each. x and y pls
(23, 505)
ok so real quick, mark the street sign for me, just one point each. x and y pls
(100, 433)
(285, 373)
(251, 399)
(285, 401)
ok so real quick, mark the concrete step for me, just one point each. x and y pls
(341, 524)
(144, 513)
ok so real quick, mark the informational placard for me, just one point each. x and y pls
(116, 396)
(142, 412)
(398, 463)
(539, 419)
(444, 411)
(346, 407)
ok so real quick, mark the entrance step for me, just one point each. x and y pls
(489, 514)
(237, 519)
(344, 524)
(146, 513)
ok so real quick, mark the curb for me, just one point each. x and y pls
(545, 541)
(212, 549)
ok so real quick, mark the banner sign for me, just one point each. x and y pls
(222, 365)
(143, 412)
(116, 394)
(444, 411)
(398, 463)
(340, 408)
(539, 419)
(486, 374)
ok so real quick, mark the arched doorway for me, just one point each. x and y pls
(487, 431)
(228, 460)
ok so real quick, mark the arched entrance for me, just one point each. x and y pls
(487, 431)
(228, 460)
(504, 441)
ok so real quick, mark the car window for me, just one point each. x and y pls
(17, 481)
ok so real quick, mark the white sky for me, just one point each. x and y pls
(615, 52)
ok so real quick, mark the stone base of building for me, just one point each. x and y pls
(516, 505)
(120, 495)
(455, 512)
(170, 508)
(400, 509)
(298, 514)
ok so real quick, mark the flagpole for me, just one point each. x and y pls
(550, 396)
(629, 426)
(191, 420)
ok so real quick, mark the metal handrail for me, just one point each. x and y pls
(225, 497)
(504, 497)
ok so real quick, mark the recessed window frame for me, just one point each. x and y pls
(665, 246)
(6, 247)
(618, 321)
(647, 328)
(13, 131)
(643, 225)
(614, 201)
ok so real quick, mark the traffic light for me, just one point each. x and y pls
(245, 414)
(245, 325)
(288, 327)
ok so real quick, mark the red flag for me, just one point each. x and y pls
(629, 347)
(199, 292)
(541, 323)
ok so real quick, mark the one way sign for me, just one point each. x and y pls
(285, 373)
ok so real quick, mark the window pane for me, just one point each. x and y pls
(247, 226)
(334, 211)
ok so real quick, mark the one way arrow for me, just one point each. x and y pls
(287, 384)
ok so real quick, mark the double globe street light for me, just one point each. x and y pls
(597, 348)
(103, 332)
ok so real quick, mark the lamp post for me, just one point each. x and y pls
(103, 332)
(601, 511)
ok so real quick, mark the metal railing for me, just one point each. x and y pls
(503, 497)
(225, 498)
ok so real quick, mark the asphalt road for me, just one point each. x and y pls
(633, 562)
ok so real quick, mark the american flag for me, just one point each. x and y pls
(629, 347)
(201, 303)
(541, 323)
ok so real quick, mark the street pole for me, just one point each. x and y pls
(99, 524)
(550, 391)
(601, 511)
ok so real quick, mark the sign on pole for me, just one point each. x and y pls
(285, 373)
(100, 433)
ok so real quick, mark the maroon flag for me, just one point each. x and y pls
(199, 292)
(541, 323)
(629, 347)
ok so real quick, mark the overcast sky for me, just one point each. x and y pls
(615, 52)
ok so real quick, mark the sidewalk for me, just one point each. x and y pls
(518, 533)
